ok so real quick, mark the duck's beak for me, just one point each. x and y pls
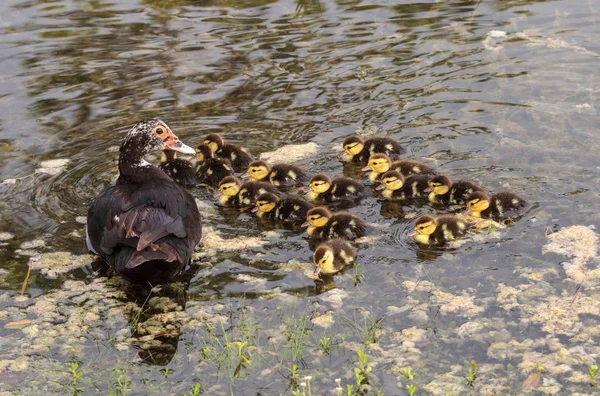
(245, 175)
(217, 194)
(467, 211)
(317, 271)
(305, 224)
(254, 209)
(412, 234)
(427, 190)
(366, 168)
(173, 143)
(380, 187)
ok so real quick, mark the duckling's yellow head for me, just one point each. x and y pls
(214, 141)
(258, 170)
(477, 202)
(318, 217)
(265, 203)
(230, 186)
(203, 152)
(440, 185)
(424, 226)
(323, 259)
(353, 145)
(167, 155)
(320, 183)
(392, 180)
(380, 163)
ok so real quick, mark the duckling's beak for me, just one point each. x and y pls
(305, 224)
(467, 211)
(317, 271)
(427, 190)
(366, 168)
(245, 175)
(412, 234)
(380, 187)
(254, 209)
(217, 194)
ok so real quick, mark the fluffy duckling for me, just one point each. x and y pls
(500, 205)
(446, 192)
(322, 224)
(437, 231)
(381, 163)
(357, 149)
(237, 155)
(233, 193)
(180, 170)
(332, 256)
(323, 189)
(277, 175)
(397, 187)
(289, 210)
(211, 170)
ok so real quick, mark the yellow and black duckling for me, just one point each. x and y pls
(180, 170)
(322, 224)
(278, 175)
(381, 163)
(211, 170)
(290, 210)
(323, 189)
(239, 157)
(332, 256)
(446, 192)
(357, 149)
(500, 205)
(437, 231)
(397, 187)
(233, 193)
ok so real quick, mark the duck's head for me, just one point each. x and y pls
(230, 186)
(257, 170)
(477, 202)
(424, 226)
(440, 185)
(378, 163)
(203, 152)
(214, 141)
(265, 203)
(391, 180)
(353, 145)
(168, 155)
(320, 183)
(147, 136)
(317, 217)
(323, 259)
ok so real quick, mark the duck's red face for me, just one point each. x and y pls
(170, 140)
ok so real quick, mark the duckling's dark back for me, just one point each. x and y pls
(448, 228)
(181, 171)
(343, 189)
(379, 144)
(458, 193)
(249, 191)
(342, 225)
(212, 170)
(239, 157)
(504, 204)
(291, 210)
(412, 167)
(287, 174)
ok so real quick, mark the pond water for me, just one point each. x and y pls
(501, 92)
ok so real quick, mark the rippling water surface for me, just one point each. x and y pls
(501, 92)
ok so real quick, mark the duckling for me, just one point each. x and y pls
(322, 224)
(357, 149)
(323, 189)
(180, 170)
(289, 210)
(233, 193)
(500, 205)
(446, 192)
(437, 231)
(381, 163)
(277, 175)
(211, 170)
(397, 187)
(332, 256)
(239, 157)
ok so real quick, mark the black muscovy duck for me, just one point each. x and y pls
(146, 226)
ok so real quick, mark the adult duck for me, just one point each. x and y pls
(146, 227)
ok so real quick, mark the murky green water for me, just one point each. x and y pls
(501, 92)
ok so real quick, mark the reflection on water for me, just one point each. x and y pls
(499, 92)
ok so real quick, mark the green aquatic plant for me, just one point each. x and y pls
(411, 389)
(361, 373)
(472, 375)
(357, 275)
(593, 370)
(293, 375)
(408, 372)
(76, 374)
(326, 345)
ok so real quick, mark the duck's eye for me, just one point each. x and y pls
(159, 131)
(253, 170)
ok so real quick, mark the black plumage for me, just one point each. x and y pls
(458, 191)
(289, 210)
(211, 170)
(279, 175)
(503, 204)
(236, 194)
(238, 156)
(180, 170)
(359, 150)
(339, 189)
